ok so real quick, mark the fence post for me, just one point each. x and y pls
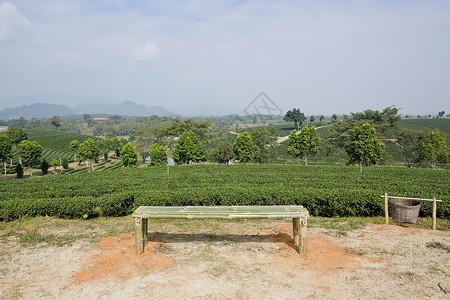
(434, 213)
(386, 208)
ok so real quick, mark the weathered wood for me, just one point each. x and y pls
(302, 246)
(221, 212)
(409, 198)
(386, 208)
(434, 213)
(140, 226)
(145, 230)
(298, 214)
(296, 232)
(434, 200)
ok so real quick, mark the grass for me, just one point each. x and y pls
(51, 230)
(54, 231)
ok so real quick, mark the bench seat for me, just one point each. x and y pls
(298, 214)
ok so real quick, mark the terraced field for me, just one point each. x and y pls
(55, 143)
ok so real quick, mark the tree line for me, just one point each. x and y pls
(184, 140)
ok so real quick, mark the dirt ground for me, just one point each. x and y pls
(232, 260)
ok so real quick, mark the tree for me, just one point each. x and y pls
(19, 171)
(334, 117)
(129, 156)
(54, 163)
(385, 120)
(148, 136)
(105, 155)
(262, 139)
(295, 116)
(74, 147)
(188, 149)
(44, 167)
(321, 118)
(363, 146)
(312, 119)
(114, 144)
(158, 155)
(272, 129)
(441, 114)
(88, 151)
(16, 135)
(5, 149)
(29, 151)
(244, 149)
(178, 127)
(304, 144)
(434, 149)
(56, 121)
(65, 163)
(223, 153)
(409, 142)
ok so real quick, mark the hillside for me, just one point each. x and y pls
(55, 143)
(36, 110)
(58, 140)
(427, 124)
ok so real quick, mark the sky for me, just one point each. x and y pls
(323, 57)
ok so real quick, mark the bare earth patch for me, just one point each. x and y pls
(233, 260)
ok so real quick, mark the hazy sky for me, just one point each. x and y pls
(324, 57)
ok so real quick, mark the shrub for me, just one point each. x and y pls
(65, 163)
(44, 167)
(19, 171)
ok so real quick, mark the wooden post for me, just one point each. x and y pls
(296, 232)
(434, 212)
(302, 246)
(386, 208)
(140, 226)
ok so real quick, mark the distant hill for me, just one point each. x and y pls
(44, 110)
(128, 108)
(36, 110)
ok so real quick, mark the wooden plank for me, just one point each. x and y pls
(220, 212)
(190, 215)
(291, 208)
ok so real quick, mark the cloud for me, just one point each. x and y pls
(320, 56)
(147, 51)
(14, 27)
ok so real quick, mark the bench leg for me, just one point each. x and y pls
(302, 246)
(140, 227)
(296, 231)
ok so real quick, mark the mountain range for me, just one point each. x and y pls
(45, 110)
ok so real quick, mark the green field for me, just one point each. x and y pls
(427, 124)
(325, 190)
(55, 143)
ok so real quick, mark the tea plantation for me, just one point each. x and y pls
(325, 190)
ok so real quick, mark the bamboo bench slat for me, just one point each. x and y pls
(298, 214)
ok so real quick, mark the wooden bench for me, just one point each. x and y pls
(298, 213)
